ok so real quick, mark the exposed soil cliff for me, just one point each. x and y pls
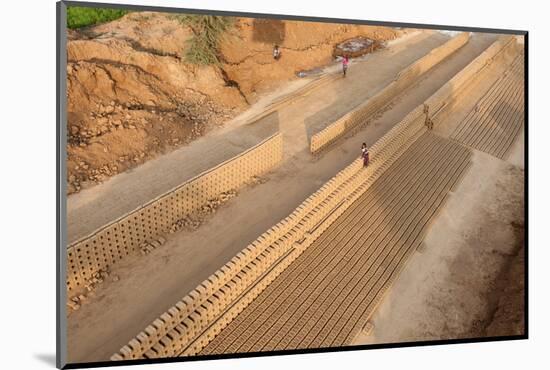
(131, 95)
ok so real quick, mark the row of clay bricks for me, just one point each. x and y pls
(207, 336)
(405, 132)
(218, 326)
(367, 109)
(352, 119)
(360, 319)
(350, 196)
(124, 236)
(229, 271)
(435, 56)
(190, 306)
(175, 325)
(397, 133)
(96, 251)
(366, 178)
(453, 87)
(493, 126)
(404, 79)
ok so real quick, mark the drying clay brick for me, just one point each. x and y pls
(368, 328)
(195, 295)
(126, 352)
(155, 243)
(136, 347)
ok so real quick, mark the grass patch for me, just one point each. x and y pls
(208, 30)
(81, 16)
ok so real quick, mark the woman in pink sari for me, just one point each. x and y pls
(345, 62)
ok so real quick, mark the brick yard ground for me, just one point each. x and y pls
(145, 287)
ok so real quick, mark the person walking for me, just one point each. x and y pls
(345, 63)
(365, 154)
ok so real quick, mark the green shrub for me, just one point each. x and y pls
(203, 47)
(81, 16)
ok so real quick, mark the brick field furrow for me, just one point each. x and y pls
(392, 243)
(349, 271)
(273, 286)
(330, 330)
(259, 299)
(493, 125)
(504, 123)
(516, 121)
(321, 276)
(305, 308)
(491, 115)
(501, 123)
(359, 318)
(472, 133)
(362, 319)
(475, 131)
(322, 281)
(514, 77)
(517, 126)
(469, 120)
(338, 336)
(347, 326)
(500, 138)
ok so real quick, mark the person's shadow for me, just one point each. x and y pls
(47, 358)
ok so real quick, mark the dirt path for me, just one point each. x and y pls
(148, 286)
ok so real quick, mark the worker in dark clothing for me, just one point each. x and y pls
(365, 154)
(276, 52)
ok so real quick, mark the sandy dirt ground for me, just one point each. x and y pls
(147, 286)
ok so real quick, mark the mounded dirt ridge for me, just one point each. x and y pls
(132, 96)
